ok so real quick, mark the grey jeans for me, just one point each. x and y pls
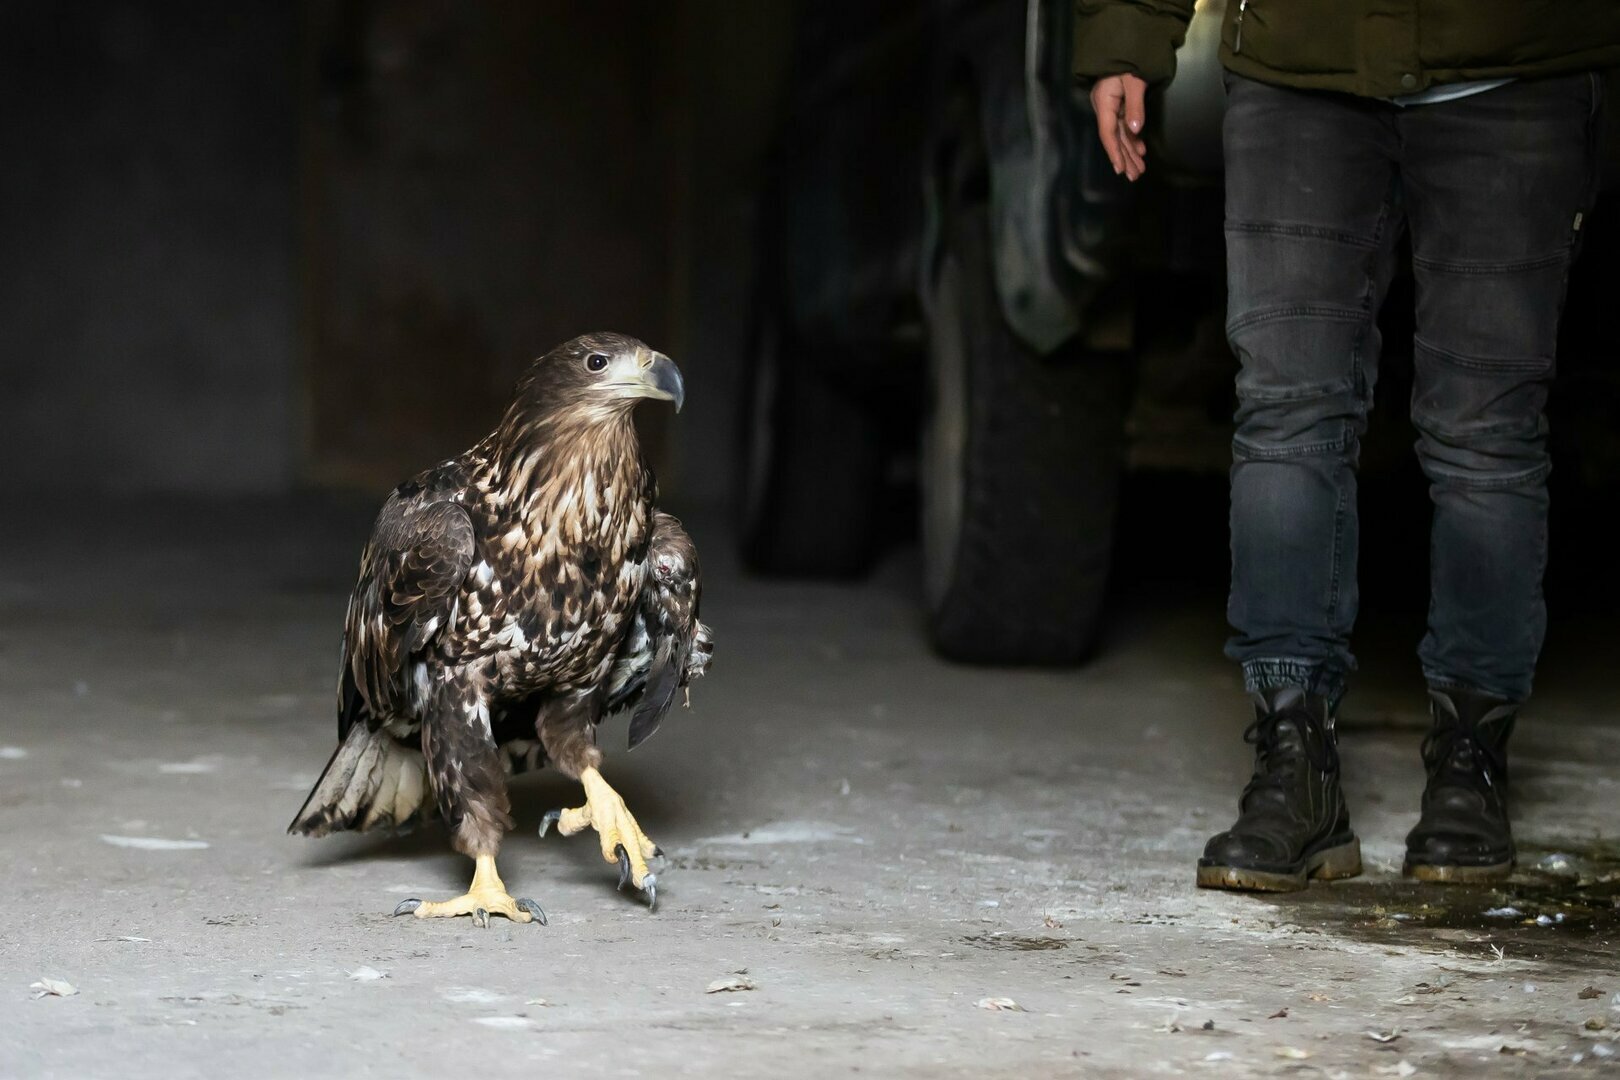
(1319, 187)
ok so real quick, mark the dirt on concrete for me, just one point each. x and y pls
(885, 864)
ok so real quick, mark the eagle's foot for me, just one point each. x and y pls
(487, 896)
(622, 840)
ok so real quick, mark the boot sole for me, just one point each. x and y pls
(1442, 874)
(1329, 864)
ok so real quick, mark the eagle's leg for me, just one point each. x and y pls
(571, 747)
(469, 784)
(485, 897)
(622, 840)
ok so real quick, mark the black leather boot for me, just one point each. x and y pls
(1292, 823)
(1463, 834)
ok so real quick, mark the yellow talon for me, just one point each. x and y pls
(616, 828)
(485, 897)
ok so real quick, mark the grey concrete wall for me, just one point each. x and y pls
(146, 243)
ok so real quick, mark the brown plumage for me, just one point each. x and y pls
(504, 607)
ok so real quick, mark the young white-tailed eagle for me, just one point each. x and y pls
(508, 600)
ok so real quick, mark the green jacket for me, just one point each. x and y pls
(1376, 48)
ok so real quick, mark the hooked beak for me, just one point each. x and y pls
(661, 379)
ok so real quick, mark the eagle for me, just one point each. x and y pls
(509, 599)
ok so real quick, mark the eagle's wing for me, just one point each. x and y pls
(405, 600)
(410, 577)
(667, 645)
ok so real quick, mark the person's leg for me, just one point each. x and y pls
(1312, 215)
(1496, 185)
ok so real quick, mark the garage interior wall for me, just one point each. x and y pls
(264, 246)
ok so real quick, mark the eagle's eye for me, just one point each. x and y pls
(596, 361)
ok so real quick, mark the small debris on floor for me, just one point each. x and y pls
(730, 984)
(367, 974)
(1559, 864)
(53, 988)
(153, 843)
(1400, 1068)
(1590, 993)
(1595, 1023)
(1384, 1036)
(1292, 1053)
(1280, 1014)
(999, 1004)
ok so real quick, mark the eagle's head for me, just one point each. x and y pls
(598, 377)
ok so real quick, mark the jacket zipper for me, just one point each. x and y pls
(1237, 37)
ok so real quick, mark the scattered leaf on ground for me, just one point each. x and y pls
(1589, 993)
(999, 1004)
(1384, 1036)
(1596, 1023)
(542, 1002)
(729, 984)
(53, 988)
(1318, 997)
(1293, 1053)
(1280, 1014)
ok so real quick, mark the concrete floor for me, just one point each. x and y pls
(878, 840)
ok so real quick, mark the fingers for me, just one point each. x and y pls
(1135, 122)
(1120, 104)
(1107, 97)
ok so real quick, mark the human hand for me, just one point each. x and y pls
(1119, 102)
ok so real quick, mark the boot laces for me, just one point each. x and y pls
(1276, 762)
(1456, 750)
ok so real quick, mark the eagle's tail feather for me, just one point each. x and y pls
(370, 782)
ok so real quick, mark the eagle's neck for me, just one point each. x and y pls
(585, 479)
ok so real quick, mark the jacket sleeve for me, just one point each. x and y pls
(1140, 37)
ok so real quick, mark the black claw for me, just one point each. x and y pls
(481, 918)
(549, 820)
(650, 887)
(624, 867)
(533, 909)
(658, 852)
(407, 906)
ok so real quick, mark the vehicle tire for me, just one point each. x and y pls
(812, 465)
(1020, 465)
